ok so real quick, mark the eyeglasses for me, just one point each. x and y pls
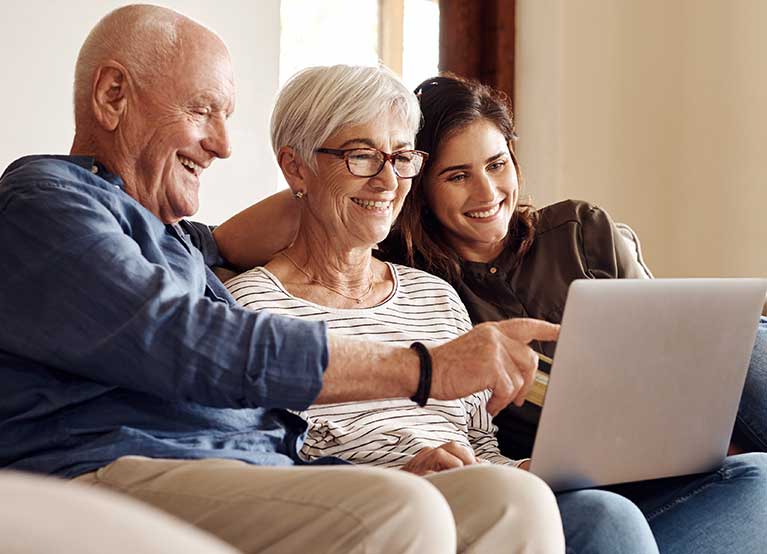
(368, 162)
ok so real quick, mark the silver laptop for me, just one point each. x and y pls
(646, 379)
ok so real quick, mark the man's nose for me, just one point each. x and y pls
(217, 139)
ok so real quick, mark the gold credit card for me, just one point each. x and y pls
(538, 390)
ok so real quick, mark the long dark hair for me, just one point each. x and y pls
(450, 103)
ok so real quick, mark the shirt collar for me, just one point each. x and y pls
(97, 168)
(498, 267)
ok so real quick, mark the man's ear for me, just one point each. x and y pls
(109, 97)
(293, 168)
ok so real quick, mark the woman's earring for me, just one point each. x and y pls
(299, 195)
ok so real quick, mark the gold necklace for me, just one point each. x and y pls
(357, 299)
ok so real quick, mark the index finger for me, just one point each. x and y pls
(526, 329)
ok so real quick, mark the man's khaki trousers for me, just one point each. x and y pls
(347, 509)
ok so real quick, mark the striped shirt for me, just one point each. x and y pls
(385, 433)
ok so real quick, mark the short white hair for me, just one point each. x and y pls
(318, 101)
(141, 37)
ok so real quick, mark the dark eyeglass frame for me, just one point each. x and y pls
(386, 158)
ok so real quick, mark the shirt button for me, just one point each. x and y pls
(94, 169)
(493, 270)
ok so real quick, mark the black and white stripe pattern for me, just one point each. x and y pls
(387, 433)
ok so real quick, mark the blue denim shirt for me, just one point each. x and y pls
(117, 339)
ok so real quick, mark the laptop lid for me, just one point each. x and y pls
(646, 379)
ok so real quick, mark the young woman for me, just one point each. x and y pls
(463, 222)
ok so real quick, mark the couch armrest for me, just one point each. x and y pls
(633, 240)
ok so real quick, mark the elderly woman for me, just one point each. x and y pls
(343, 137)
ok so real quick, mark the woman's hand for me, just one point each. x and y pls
(493, 356)
(447, 456)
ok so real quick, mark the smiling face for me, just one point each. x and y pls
(177, 127)
(472, 189)
(358, 211)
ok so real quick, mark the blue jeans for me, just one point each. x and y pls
(751, 424)
(714, 513)
(602, 522)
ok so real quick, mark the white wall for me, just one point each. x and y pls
(39, 41)
(655, 110)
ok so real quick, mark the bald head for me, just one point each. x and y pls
(153, 92)
(142, 38)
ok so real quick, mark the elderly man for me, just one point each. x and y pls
(126, 364)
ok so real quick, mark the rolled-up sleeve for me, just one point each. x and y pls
(82, 294)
